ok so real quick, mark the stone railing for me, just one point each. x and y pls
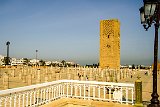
(40, 94)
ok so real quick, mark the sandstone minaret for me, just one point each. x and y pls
(110, 44)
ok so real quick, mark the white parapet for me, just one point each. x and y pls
(40, 94)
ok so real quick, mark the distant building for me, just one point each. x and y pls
(17, 62)
(13, 62)
(56, 63)
(70, 63)
(110, 44)
(48, 63)
(34, 61)
(1, 60)
(123, 66)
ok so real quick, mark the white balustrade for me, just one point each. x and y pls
(40, 94)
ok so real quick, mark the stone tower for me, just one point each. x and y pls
(110, 44)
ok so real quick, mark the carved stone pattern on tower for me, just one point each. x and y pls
(110, 44)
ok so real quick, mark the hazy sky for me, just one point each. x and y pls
(69, 29)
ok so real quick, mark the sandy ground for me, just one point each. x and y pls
(147, 81)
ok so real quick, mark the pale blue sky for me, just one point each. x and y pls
(69, 29)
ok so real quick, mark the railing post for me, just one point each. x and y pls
(30, 98)
(71, 89)
(5, 103)
(104, 92)
(127, 95)
(23, 100)
(38, 94)
(52, 93)
(84, 92)
(59, 90)
(121, 95)
(110, 93)
(94, 92)
(132, 95)
(15, 100)
(47, 94)
(67, 90)
(19, 100)
(63, 89)
(0, 102)
(138, 92)
(34, 97)
(41, 97)
(10, 100)
(89, 88)
(99, 92)
(80, 90)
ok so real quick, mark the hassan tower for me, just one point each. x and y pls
(110, 44)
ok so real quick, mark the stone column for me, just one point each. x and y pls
(38, 79)
(6, 81)
(53, 73)
(104, 78)
(46, 78)
(29, 78)
(57, 76)
(24, 78)
(68, 76)
(124, 73)
(46, 70)
(50, 76)
(13, 72)
(114, 75)
(20, 75)
(111, 72)
(90, 75)
(84, 74)
(118, 75)
(76, 77)
(107, 76)
(35, 71)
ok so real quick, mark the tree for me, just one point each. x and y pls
(41, 62)
(6, 60)
(25, 61)
(133, 66)
(63, 63)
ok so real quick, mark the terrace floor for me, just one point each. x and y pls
(72, 102)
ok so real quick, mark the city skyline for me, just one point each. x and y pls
(62, 30)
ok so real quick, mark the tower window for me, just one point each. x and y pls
(108, 36)
(108, 46)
